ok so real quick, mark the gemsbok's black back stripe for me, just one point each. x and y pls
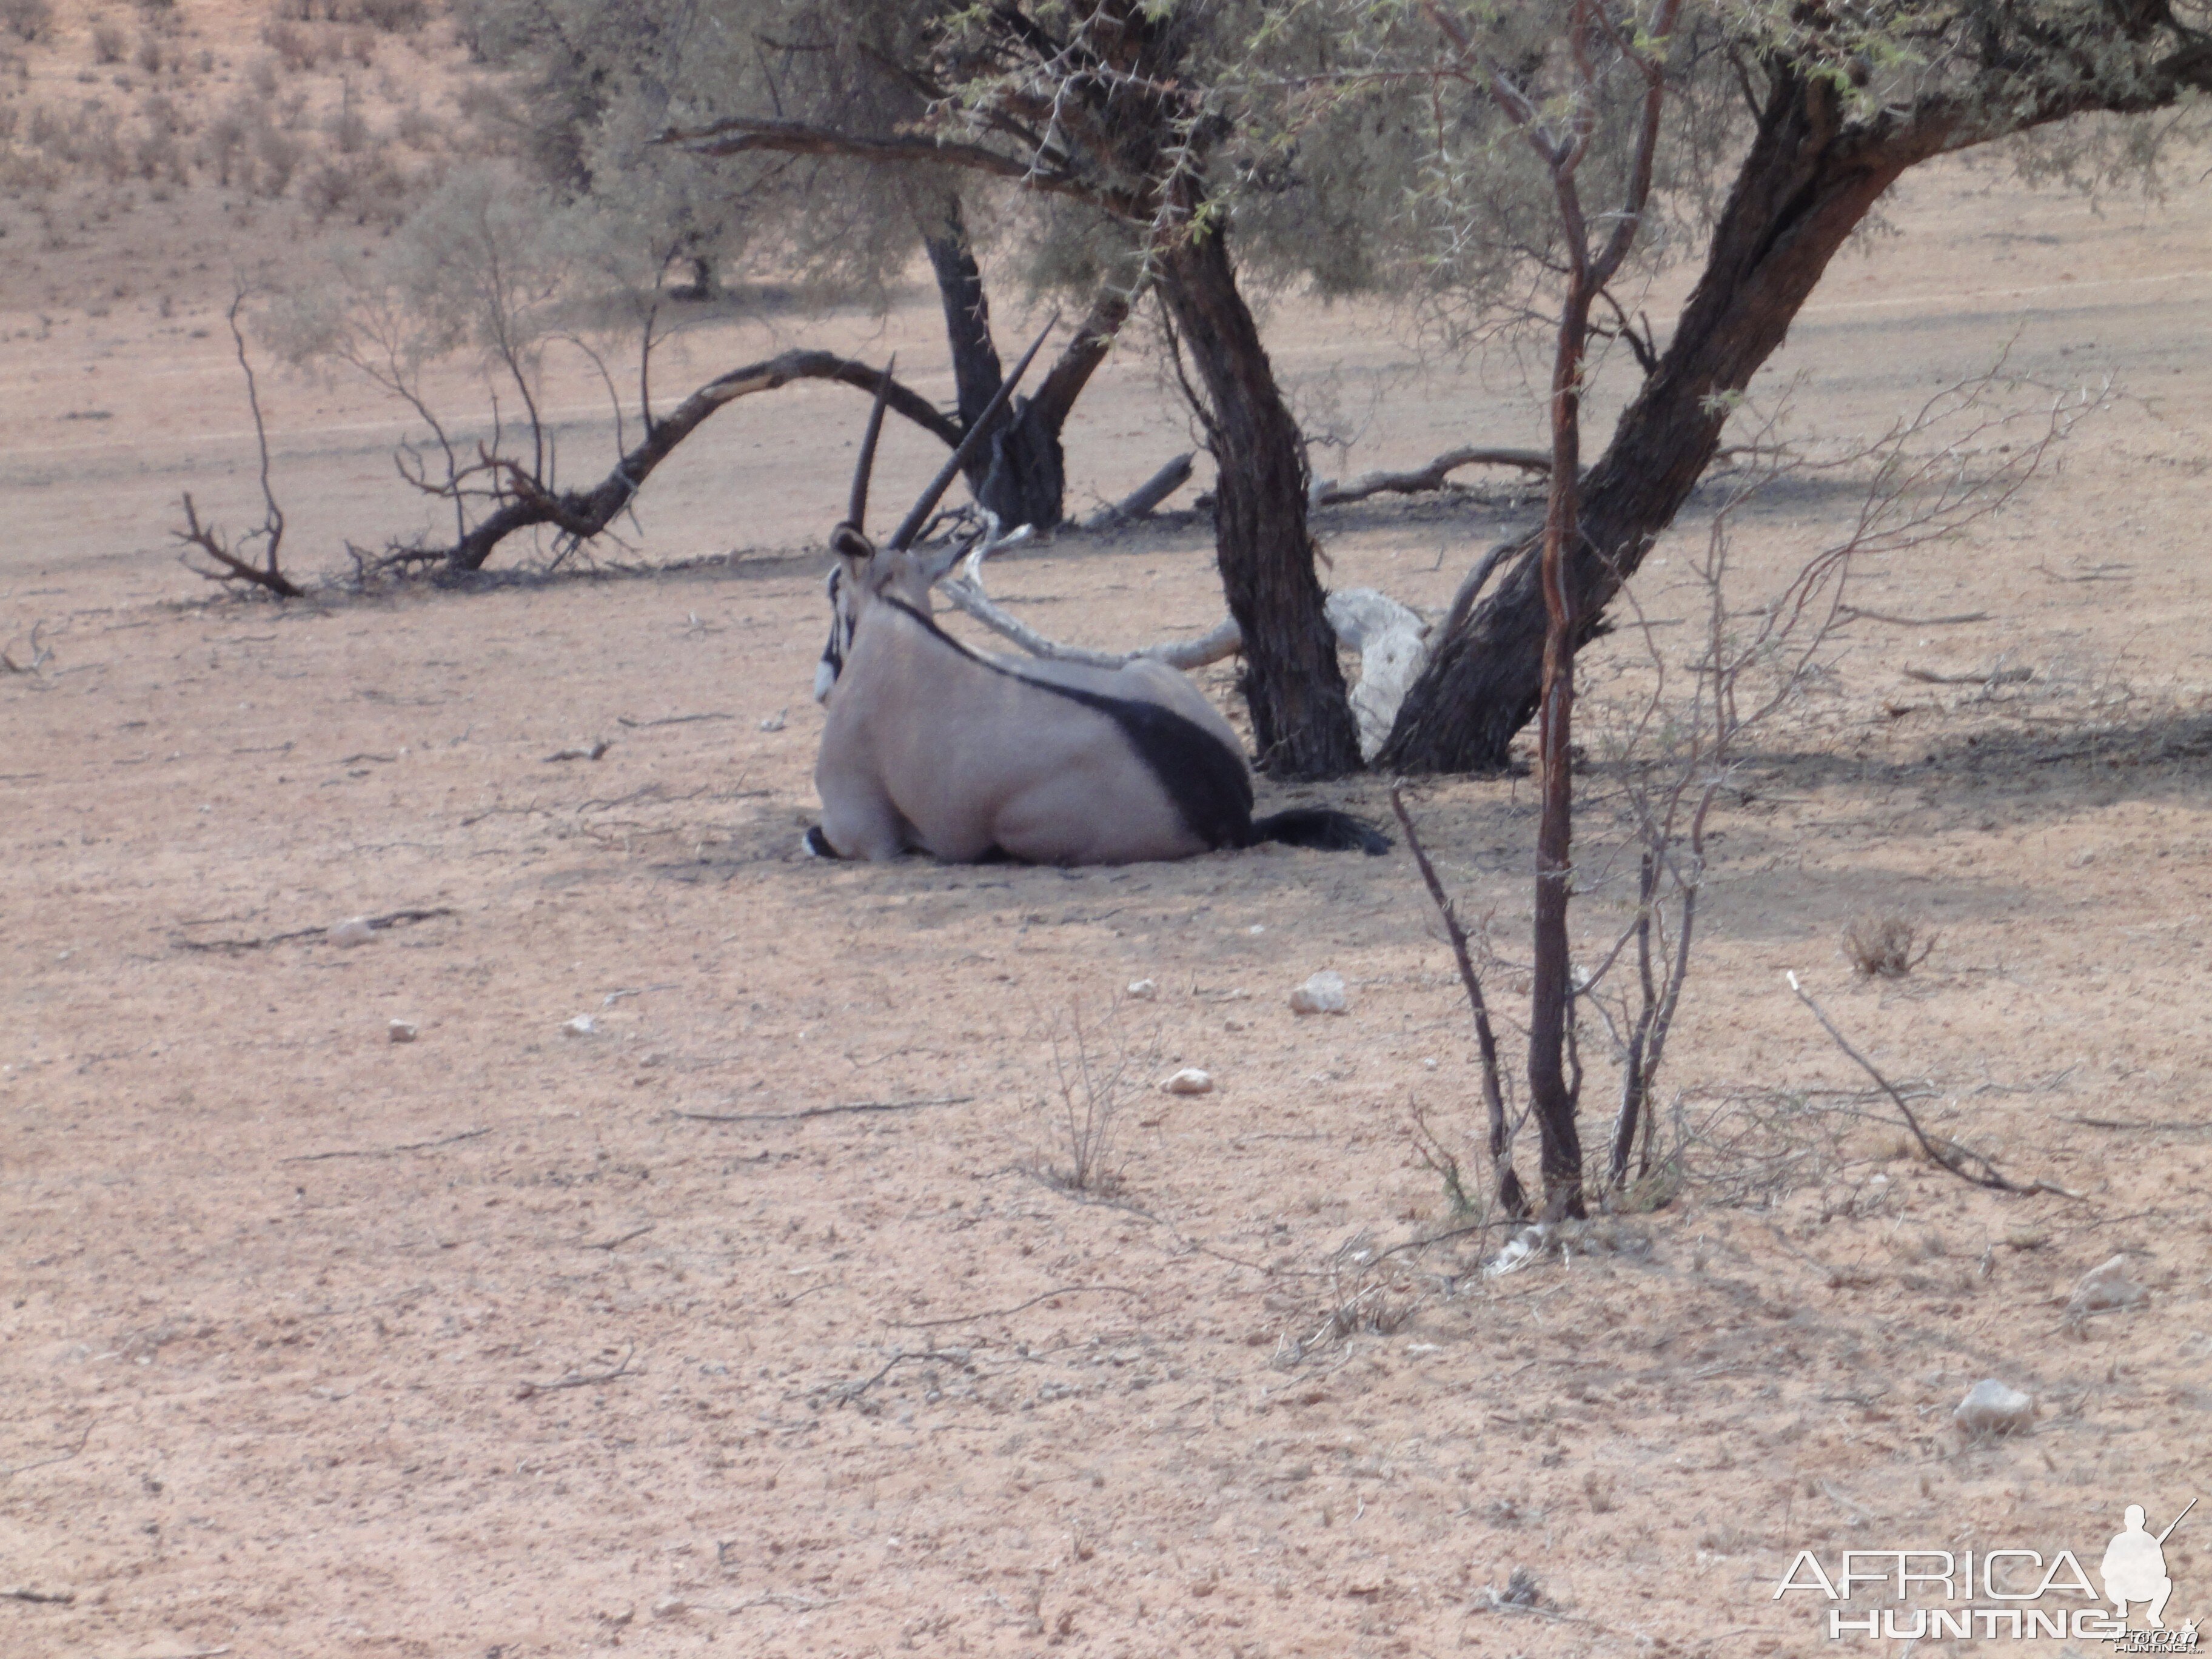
(1203, 776)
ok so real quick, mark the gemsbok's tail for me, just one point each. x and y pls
(1321, 827)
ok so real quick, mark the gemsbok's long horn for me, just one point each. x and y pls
(911, 526)
(856, 514)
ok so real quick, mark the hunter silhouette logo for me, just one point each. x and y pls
(2134, 1567)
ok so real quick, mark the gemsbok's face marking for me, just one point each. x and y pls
(843, 617)
(931, 747)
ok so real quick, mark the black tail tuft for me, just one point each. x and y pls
(1322, 827)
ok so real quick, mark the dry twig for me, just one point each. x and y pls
(387, 1151)
(525, 1389)
(824, 1111)
(1961, 1161)
(389, 919)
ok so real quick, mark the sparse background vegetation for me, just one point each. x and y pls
(651, 1238)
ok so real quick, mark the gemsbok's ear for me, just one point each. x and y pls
(850, 546)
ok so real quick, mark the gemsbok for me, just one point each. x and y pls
(931, 747)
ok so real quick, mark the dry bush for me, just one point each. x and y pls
(369, 188)
(26, 20)
(1366, 1291)
(263, 77)
(276, 157)
(347, 128)
(393, 16)
(1882, 947)
(297, 49)
(109, 43)
(418, 129)
(85, 140)
(1097, 1074)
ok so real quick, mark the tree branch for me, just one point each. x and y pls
(1429, 478)
(582, 514)
(740, 134)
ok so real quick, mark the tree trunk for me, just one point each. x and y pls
(977, 370)
(1019, 473)
(1804, 186)
(1301, 716)
(1553, 1097)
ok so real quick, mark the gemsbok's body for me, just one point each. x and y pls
(931, 747)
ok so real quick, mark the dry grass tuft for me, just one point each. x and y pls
(1886, 946)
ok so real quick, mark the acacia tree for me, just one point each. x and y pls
(1840, 102)
(598, 80)
(1120, 110)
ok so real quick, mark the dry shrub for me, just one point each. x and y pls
(276, 157)
(86, 140)
(393, 16)
(1097, 1074)
(263, 77)
(347, 128)
(1882, 946)
(298, 49)
(368, 188)
(1366, 1293)
(418, 129)
(109, 43)
(26, 20)
(157, 157)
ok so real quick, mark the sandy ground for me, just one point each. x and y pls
(513, 1342)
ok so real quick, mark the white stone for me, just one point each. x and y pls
(1144, 990)
(402, 1031)
(354, 931)
(668, 1607)
(1990, 1407)
(1189, 1081)
(1323, 994)
(582, 1025)
(2106, 1287)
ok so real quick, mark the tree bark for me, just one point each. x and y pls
(1020, 473)
(1553, 1097)
(1301, 714)
(1806, 183)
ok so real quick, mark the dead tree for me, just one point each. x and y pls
(229, 561)
(521, 496)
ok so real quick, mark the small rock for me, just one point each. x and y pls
(592, 753)
(402, 1031)
(1990, 1407)
(668, 1607)
(1142, 990)
(775, 722)
(1321, 995)
(1520, 1590)
(582, 1025)
(1189, 1081)
(354, 931)
(2105, 1288)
